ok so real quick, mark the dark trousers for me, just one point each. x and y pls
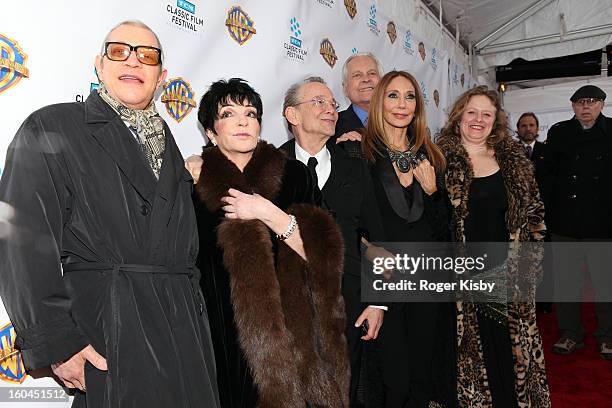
(545, 294)
(498, 359)
(569, 262)
(417, 354)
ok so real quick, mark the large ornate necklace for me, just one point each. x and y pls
(405, 160)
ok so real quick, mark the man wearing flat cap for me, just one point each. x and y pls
(578, 197)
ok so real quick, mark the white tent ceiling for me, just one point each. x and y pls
(502, 30)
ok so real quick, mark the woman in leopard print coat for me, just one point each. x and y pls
(477, 144)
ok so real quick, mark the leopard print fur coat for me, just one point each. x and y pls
(525, 222)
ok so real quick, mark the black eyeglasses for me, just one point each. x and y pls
(118, 51)
(587, 101)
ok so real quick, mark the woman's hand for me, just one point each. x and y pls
(426, 176)
(372, 252)
(241, 206)
(352, 136)
(244, 206)
(194, 165)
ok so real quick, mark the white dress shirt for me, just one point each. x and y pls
(323, 168)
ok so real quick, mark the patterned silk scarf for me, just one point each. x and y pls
(146, 124)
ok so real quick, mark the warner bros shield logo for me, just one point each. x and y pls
(178, 97)
(328, 53)
(239, 25)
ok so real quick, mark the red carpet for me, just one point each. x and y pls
(582, 379)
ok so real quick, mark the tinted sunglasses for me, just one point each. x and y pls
(118, 51)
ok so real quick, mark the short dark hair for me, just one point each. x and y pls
(525, 115)
(221, 93)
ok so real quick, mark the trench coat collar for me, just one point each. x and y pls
(120, 144)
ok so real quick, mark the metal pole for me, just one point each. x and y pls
(512, 23)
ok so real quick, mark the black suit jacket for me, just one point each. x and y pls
(538, 158)
(347, 122)
(349, 196)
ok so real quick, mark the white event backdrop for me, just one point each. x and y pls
(47, 51)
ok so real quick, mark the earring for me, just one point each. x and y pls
(214, 142)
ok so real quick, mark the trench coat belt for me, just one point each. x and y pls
(130, 268)
(140, 268)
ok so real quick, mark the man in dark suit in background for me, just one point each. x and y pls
(527, 128)
(360, 74)
(310, 110)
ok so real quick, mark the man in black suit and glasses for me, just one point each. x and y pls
(310, 110)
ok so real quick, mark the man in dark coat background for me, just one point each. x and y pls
(578, 200)
(98, 267)
(348, 193)
(527, 128)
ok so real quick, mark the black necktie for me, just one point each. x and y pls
(312, 166)
(528, 150)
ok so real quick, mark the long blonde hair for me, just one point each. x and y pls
(374, 141)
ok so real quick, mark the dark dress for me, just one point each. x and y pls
(486, 222)
(416, 345)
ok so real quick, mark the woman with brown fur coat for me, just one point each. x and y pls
(271, 265)
(495, 197)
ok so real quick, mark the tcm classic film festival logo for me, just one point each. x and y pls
(326, 3)
(12, 63)
(294, 49)
(239, 25)
(425, 92)
(178, 98)
(11, 366)
(183, 16)
(408, 49)
(434, 59)
(372, 23)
